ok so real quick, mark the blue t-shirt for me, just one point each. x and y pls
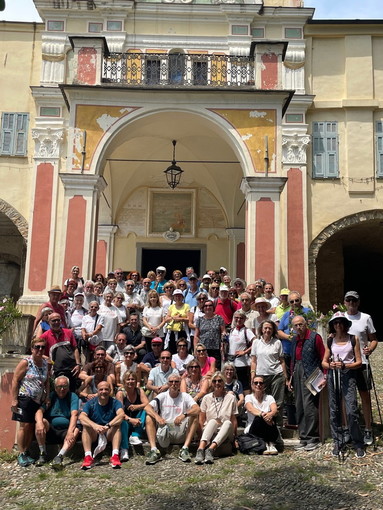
(60, 410)
(285, 326)
(150, 359)
(102, 414)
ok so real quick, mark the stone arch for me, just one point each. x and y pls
(16, 218)
(326, 234)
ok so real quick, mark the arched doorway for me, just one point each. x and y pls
(348, 255)
(13, 235)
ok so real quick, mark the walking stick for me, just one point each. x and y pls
(369, 369)
(337, 383)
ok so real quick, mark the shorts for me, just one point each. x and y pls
(28, 409)
(363, 378)
(172, 434)
(56, 436)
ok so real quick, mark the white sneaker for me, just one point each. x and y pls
(135, 440)
(272, 450)
(124, 455)
(267, 451)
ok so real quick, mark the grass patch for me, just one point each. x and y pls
(14, 493)
(6, 456)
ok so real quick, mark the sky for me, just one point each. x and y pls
(24, 10)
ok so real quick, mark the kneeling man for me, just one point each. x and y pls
(101, 418)
(171, 418)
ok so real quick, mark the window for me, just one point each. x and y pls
(293, 33)
(176, 68)
(114, 26)
(239, 29)
(295, 118)
(379, 148)
(50, 111)
(55, 26)
(200, 71)
(258, 33)
(14, 129)
(152, 70)
(95, 28)
(325, 150)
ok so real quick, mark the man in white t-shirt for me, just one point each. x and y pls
(171, 418)
(363, 328)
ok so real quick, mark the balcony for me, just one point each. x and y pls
(176, 70)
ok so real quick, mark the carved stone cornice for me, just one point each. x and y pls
(294, 147)
(295, 55)
(48, 142)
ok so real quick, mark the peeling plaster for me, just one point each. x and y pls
(257, 114)
(247, 136)
(105, 121)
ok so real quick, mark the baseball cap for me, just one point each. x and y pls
(353, 294)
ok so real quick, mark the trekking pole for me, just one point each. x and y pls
(375, 392)
(369, 374)
(340, 412)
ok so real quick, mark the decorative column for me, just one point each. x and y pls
(105, 248)
(41, 236)
(237, 251)
(268, 57)
(263, 227)
(294, 145)
(54, 48)
(88, 59)
(80, 220)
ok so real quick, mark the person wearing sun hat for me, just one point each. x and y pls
(342, 358)
(54, 294)
(284, 305)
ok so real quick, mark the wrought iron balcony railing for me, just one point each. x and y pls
(178, 70)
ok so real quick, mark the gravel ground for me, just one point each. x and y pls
(292, 480)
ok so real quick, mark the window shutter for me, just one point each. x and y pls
(379, 148)
(325, 150)
(14, 134)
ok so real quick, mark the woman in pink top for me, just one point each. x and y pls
(207, 363)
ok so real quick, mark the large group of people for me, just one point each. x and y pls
(187, 359)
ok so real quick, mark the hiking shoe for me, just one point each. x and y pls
(135, 440)
(271, 450)
(22, 460)
(124, 455)
(88, 462)
(200, 456)
(209, 456)
(153, 456)
(41, 460)
(301, 446)
(115, 462)
(312, 446)
(335, 450)
(30, 459)
(184, 455)
(368, 440)
(57, 462)
(346, 435)
(360, 453)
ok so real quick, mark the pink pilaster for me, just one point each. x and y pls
(75, 234)
(265, 240)
(295, 231)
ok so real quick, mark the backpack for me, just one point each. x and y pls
(251, 445)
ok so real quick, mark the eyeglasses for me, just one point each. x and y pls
(118, 273)
(194, 366)
(182, 345)
(292, 301)
(208, 306)
(55, 320)
(258, 383)
(118, 297)
(165, 357)
(174, 382)
(201, 350)
(351, 299)
(182, 285)
(39, 347)
(96, 307)
(62, 386)
(214, 288)
(217, 381)
(129, 354)
(130, 285)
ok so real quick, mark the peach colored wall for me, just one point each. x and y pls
(41, 227)
(101, 257)
(295, 232)
(265, 240)
(7, 426)
(74, 246)
(86, 73)
(270, 71)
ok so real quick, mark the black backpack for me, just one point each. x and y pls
(251, 445)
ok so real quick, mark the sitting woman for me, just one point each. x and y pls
(207, 363)
(218, 420)
(261, 412)
(342, 358)
(43, 325)
(134, 402)
(194, 383)
(88, 389)
(232, 383)
(124, 312)
(128, 365)
(182, 358)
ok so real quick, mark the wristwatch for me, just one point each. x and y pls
(108, 425)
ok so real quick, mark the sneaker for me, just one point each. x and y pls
(368, 440)
(115, 462)
(30, 459)
(301, 446)
(271, 449)
(124, 455)
(22, 460)
(153, 456)
(200, 456)
(209, 456)
(346, 435)
(335, 450)
(360, 453)
(135, 440)
(41, 460)
(184, 455)
(312, 446)
(88, 462)
(57, 462)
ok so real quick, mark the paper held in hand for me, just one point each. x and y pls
(316, 381)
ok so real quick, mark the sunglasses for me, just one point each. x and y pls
(292, 301)
(201, 350)
(39, 347)
(182, 345)
(129, 354)
(258, 383)
(337, 321)
(194, 366)
(217, 381)
(174, 382)
(130, 285)
(62, 386)
(351, 299)
(165, 357)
